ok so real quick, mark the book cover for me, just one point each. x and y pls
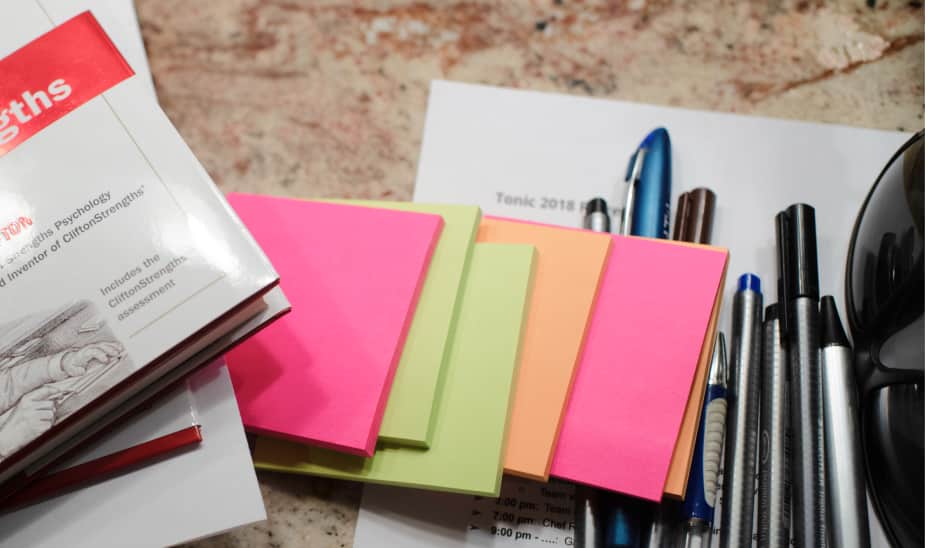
(472, 421)
(119, 258)
(323, 373)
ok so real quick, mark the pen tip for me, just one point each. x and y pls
(832, 332)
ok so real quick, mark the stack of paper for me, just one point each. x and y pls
(322, 375)
(638, 365)
(472, 415)
(483, 383)
(410, 413)
(597, 305)
(570, 263)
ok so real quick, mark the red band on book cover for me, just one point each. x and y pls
(55, 74)
(104, 467)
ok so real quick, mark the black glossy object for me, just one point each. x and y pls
(885, 292)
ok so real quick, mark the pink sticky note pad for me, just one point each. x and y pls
(322, 374)
(635, 373)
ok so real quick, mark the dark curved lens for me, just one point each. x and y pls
(885, 293)
(887, 261)
(894, 428)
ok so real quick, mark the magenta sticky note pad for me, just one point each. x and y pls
(637, 366)
(322, 374)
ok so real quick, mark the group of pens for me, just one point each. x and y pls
(781, 411)
(791, 380)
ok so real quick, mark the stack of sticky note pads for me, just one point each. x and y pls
(429, 347)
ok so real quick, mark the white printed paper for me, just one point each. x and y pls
(526, 513)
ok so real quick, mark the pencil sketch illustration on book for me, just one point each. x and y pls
(52, 364)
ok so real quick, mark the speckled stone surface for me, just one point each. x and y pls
(325, 98)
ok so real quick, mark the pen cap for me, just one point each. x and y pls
(749, 282)
(801, 252)
(703, 207)
(597, 216)
(695, 213)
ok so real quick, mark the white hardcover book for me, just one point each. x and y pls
(120, 261)
(215, 488)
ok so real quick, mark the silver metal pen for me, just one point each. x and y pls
(844, 468)
(798, 251)
(744, 396)
(664, 531)
(773, 512)
(588, 527)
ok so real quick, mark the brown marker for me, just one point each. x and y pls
(695, 213)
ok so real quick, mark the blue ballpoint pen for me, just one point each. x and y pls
(701, 490)
(623, 516)
(647, 205)
(646, 212)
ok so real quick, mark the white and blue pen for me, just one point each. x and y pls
(699, 504)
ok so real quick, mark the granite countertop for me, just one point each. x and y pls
(326, 98)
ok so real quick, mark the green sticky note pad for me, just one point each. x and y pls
(474, 403)
(409, 416)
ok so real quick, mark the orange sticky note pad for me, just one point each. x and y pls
(570, 264)
(679, 473)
